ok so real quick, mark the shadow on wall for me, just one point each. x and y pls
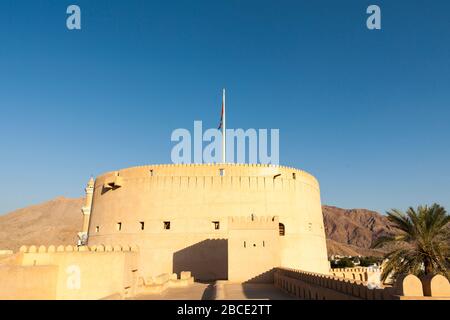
(210, 292)
(252, 288)
(207, 260)
(262, 287)
(266, 277)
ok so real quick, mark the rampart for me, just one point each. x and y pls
(70, 272)
(357, 273)
(314, 286)
(79, 272)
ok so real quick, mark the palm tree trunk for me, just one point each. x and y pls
(428, 266)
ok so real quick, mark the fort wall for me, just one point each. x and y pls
(358, 273)
(253, 249)
(314, 286)
(70, 272)
(28, 283)
(133, 206)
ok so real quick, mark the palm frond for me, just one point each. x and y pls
(422, 244)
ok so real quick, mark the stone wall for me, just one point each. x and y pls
(366, 274)
(253, 249)
(314, 286)
(28, 283)
(70, 272)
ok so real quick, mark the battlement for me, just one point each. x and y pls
(109, 179)
(75, 249)
(315, 286)
(354, 269)
(253, 222)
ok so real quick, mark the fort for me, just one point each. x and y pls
(210, 219)
(151, 229)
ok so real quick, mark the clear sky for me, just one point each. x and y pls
(366, 112)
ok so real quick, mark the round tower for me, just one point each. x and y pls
(178, 215)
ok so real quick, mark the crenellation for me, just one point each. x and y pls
(41, 249)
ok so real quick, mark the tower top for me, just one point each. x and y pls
(91, 182)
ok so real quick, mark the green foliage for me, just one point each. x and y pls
(369, 261)
(343, 263)
(422, 244)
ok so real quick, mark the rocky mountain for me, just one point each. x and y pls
(53, 222)
(353, 231)
(349, 232)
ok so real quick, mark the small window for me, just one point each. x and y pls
(293, 175)
(216, 225)
(142, 225)
(119, 226)
(97, 229)
(151, 173)
(309, 226)
(264, 244)
(222, 172)
(245, 244)
(166, 225)
(281, 229)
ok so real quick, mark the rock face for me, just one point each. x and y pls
(353, 231)
(349, 232)
(53, 222)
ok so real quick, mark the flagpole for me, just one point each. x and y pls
(224, 158)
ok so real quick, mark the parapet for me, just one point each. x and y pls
(435, 286)
(310, 285)
(114, 179)
(74, 249)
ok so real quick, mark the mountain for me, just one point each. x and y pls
(53, 222)
(349, 232)
(353, 231)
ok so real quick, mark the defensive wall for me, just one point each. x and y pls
(253, 249)
(86, 272)
(314, 286)
(110, 272)
(358, 273)
(69, 272)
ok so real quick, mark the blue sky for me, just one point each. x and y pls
(366, 112)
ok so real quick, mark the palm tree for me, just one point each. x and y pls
(421, 245)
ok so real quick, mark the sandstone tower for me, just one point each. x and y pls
(210, 218)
